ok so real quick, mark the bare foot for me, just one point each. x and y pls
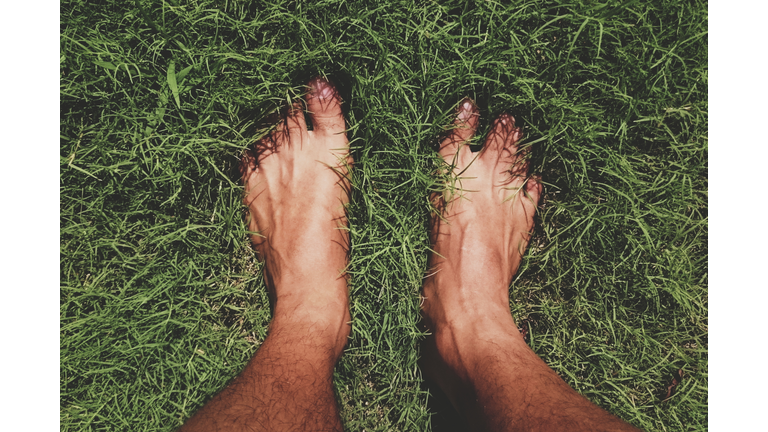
(475, 354)
(296, 186)
(485, 223)
(479, 237)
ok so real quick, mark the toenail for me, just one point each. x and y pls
(323, 90)
(326, 91)
(466, 111)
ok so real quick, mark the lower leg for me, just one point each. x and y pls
(499, 384)
(296, 187)
(286, 386)
(475, 353)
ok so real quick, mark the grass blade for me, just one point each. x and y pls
(172, 83)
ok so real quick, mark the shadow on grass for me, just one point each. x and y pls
(444, 418)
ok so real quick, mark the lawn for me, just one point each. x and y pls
(162, 298)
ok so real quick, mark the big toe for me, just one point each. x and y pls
(455, 147)
(324, 107)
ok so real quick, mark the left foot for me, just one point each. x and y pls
(296, 186)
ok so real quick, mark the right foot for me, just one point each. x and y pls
(296, 186)
(482, 231)
(475, 353)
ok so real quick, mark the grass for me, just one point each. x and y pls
(162, 301)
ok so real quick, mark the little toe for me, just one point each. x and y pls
(248, 165)
(463, 129)
(533, 189)
(324, 107)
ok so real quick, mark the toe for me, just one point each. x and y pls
(249, 169)
(503, 138)
(462, 131)
(294, 119)
(248, 165)
(502, 147)
(533, 189)
(324, 107)
(263, 148)
(516, 159)
(292, 131)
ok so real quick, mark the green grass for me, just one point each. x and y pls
(162, 300)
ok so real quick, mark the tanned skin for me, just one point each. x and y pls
(475, 352)
(296, 186)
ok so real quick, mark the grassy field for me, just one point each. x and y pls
(162, 300)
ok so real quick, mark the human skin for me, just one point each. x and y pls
(479, 233)
(296, 187)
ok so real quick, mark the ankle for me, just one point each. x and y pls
(460, 333)
(456, 303)
(321, 313)
(467, 334)
(455, 354)
(314, 332)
